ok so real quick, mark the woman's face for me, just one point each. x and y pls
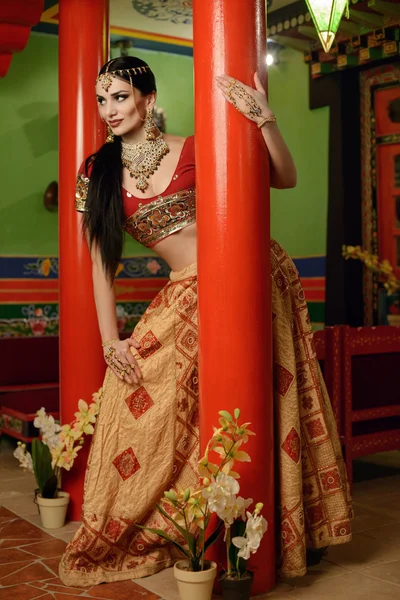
(120, 109)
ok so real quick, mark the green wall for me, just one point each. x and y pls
(29, 140)
(299, 216)
(28, 146)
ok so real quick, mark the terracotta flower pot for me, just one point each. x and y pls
(236, 589)
(195, 585)
(53, 510)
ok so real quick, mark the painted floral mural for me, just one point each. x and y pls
(178, 12)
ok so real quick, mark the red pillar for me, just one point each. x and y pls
(232, 181)
(83, 49)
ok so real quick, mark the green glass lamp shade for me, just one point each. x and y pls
(326, 15)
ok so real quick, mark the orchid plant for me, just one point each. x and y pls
(58, 447)
(222, 493)
(217, 492)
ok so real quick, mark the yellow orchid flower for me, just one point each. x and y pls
(56, 453)
(197, 510)
(96, 396)
(206, 468)
(86, 412)
(83, 408)
(245, 433)
(70, 432)
(66, 459)
(225, 424)
(83, 427)
(233, 453)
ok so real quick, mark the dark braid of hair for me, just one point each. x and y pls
(104, 215)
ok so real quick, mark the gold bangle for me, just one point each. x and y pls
(109, 342)
(266, 120)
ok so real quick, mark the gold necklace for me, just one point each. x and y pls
(143, 159)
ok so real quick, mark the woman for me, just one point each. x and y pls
(146, 437)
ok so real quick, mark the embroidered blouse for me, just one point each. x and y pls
(151, 220)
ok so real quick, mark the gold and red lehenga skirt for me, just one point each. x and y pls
(146, 440)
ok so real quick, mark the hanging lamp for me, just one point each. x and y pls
(326, 15)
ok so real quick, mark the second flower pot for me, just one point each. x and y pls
(236, 589)
(195, 585)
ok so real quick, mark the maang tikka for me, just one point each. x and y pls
(106, 78)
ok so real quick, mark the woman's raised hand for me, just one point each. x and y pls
(252, 103)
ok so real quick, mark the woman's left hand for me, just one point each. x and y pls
(252, 103)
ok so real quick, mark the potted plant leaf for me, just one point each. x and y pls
(57, 449)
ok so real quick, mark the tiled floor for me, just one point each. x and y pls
(366, 569)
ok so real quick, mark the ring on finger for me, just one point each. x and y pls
(114, 362)
(124, 369)
(116, 367)
(127, 366)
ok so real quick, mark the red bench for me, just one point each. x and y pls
(370, 400)
(29, 379)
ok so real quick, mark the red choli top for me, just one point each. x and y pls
(150, 220)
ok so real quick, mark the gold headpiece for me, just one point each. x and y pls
(107, 77)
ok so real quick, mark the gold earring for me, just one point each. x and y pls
(110, 135)
(150, 127)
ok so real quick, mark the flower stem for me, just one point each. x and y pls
(57, 472)
(224, 460)
(228, 545)
(202, 548)
(237, 566)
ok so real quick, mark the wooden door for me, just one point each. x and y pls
(387, 128)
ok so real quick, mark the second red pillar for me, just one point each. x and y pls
(232, 181)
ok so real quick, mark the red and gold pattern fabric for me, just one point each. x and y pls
(313, 491)
(146, 441)
(158, 219)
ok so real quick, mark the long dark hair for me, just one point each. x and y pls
(104, 215)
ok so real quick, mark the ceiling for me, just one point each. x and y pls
(155, 24)
(167, 24)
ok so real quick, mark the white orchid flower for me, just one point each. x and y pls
(256, 526)
(220, 492)
(24, 457)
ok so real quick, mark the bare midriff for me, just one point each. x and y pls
(144, 214)
(179, 250)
